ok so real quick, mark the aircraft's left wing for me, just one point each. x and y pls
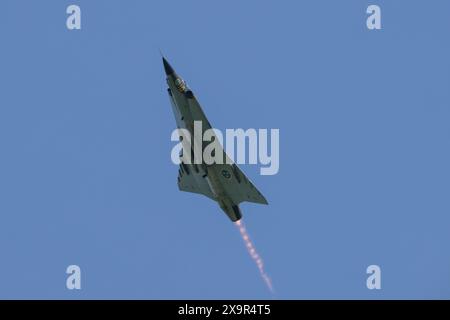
(192, 179)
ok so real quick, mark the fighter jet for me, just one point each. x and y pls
(224, 183)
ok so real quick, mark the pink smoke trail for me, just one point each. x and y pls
(255, 256)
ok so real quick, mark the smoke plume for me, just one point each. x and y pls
(254, 254)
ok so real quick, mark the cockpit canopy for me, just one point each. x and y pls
(180, 84)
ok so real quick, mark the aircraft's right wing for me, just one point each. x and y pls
(237, 185)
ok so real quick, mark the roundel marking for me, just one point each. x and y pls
(226, 174)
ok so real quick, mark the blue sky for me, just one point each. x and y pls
(85, 170)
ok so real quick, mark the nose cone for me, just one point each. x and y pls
(167, 67)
